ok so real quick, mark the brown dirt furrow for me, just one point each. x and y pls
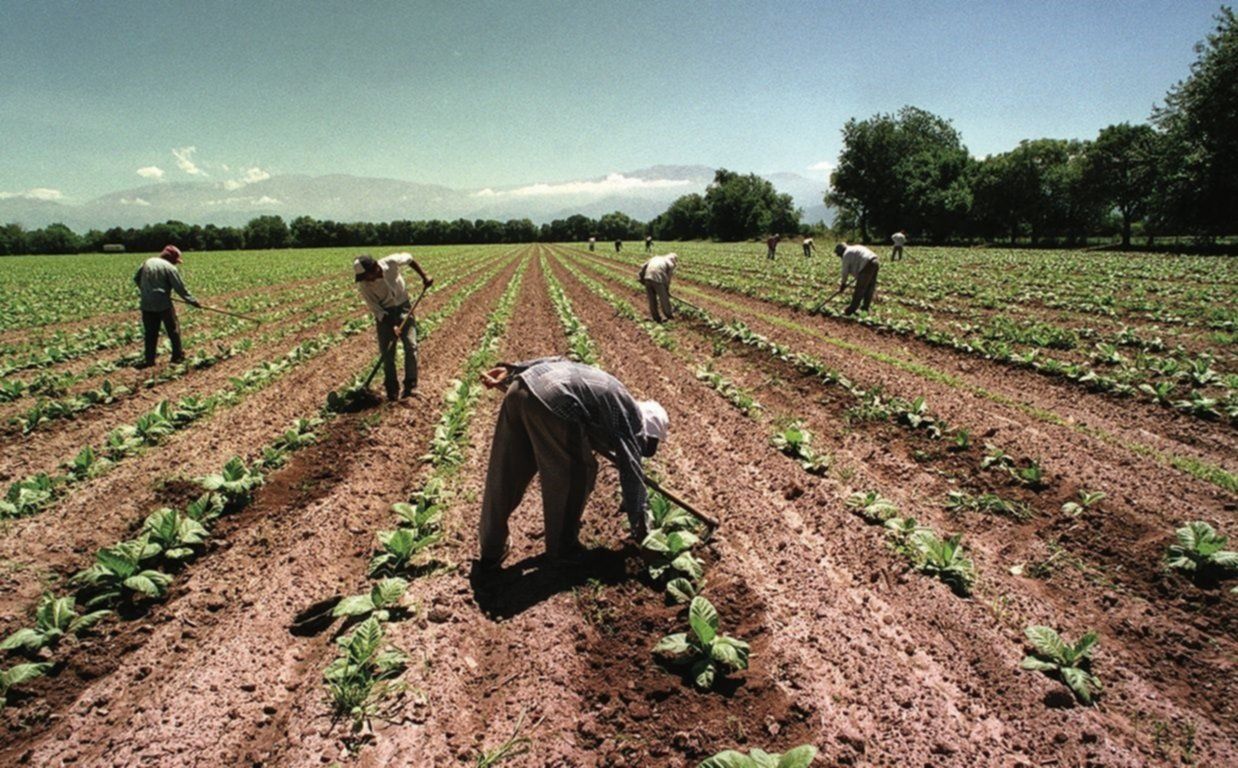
(212, 678)
(58, 541)
(870, 648)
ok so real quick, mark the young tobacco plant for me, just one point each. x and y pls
(799, 757)
(1072, 664)
(707, 651)
(872, 506)
(1199, 551)
(235, 482)
(53, 619)
(1087, 499)
(16, 675)
(177, 535)
(378, 603)
(362, 676)
(118, 574)
(397, 549)
(671, 555)
(796, 442)
(987, 503)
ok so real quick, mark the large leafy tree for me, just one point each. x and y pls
(1121, 171)
(1037, 188)
(743, 207)
(904, 171)
(686, 219)
(1199, 190)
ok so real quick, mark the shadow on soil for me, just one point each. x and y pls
(510, 591)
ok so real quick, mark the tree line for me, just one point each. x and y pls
(1174, 175)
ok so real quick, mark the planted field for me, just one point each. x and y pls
(981, 525)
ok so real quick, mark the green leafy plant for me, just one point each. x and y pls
(205, 508)
(1087, 499)
(872, 506)
(799, 757)
(382, 598)
(53, 619)
(987, 503)
(669, 517)
(87, 464)
(671, 554)
(29, 496)
(175, 534)
(16, 675)
(1072, 664)
(397, 549)
(1200, 551)
(235, 482)
(362, 676)
(703, 647)
(118, 573)
(796, 442)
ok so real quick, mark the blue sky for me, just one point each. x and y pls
(473, 94)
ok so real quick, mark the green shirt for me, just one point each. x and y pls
(157, 278)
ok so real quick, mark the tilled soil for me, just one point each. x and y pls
(209, 676)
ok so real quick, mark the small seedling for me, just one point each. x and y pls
(1086, 500)
(703, 647)
(382, 598)
(18, 674)
(1199, 551)
(53, 619)
(799, 757)
(872, 506)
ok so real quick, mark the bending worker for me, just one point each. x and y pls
(157, 278)
(655, 274)
(555, 414)
(808, 247)
(861, 263)
(382, 287)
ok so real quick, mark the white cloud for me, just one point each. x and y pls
(256, 202)
(37, 193)
(615, 182)
(255, 174)
(134, 201)
(184, 161)
(266, 200)
(824, 165)
(151, 172)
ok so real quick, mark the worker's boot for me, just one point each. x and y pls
(409, 390)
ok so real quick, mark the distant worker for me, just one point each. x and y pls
(555, 414)
(808, 247)
(157, 278)
(592, 242)
(618, 245)
(648, 243)
(861, 263)
(655, 275)
(899, 239)
(772, 244)
(382, 286)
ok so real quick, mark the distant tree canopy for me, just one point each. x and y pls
(743, 207)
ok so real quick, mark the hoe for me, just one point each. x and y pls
(221, 311)
(359, 395)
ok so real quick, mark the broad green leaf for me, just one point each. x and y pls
(729, 651)
(1080, 682)
(21, 673)
(681, 590)
(687, 563)
(29, 639)
(1047, 642)
(144, 584)
(388, 592)
(703, 619)
(681, 540)
(703, 673)
(355, 605)
(728, 759)
(1033, 663)
(1083, 648)
(673, 645)
(86, 621)
(799, 757)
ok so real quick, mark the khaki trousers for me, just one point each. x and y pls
(659, 293)
(529, 439)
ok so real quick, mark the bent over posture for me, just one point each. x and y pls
(157, 278)
(655, 275)
(861, 263)
(555, 414)
(382, 286)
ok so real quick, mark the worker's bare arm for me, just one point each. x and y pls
(497, 378)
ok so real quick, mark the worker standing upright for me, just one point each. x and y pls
(555, 414)
(648, 243)
(861, 263)
(899, 239)
(808, 247)
(382, 286)
(655, 274)
(618, 245)
(772, 244)
(157, 278)
(592, 242)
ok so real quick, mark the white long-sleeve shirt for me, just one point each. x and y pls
(898, 238)
(389, 291)
(855, 258)
(659, 269)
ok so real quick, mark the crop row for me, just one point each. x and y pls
(136, 571)
(34, 494)
(365, 672)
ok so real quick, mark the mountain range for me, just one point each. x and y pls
(642, 194)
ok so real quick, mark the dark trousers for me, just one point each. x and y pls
(659, 294)
(150, 332)
(865, 287)
(898, 253)
(773, 250)
(408, 340)
(529, 439)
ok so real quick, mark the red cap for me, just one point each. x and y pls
(171, 253)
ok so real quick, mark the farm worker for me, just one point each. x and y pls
(808, 247)
(899, 239)
(648, 243)
(555, 414)
(156, 279)
(655, 275)
(618, 245)
(382, 287)
(592, 242)
(862, 263)
(772, 244)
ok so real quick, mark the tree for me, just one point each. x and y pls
(307, 232)
(906, 171)
(12, 240)
(744, 207)
(1121, 171)
(619, 226)
(686, 219)
(1199, 184)
(54, 238)
(266, 232)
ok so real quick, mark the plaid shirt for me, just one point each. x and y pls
(592, 398)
